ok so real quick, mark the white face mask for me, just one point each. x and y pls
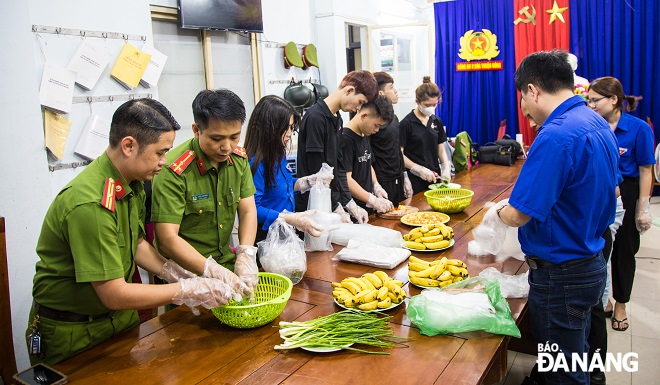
(426, 111)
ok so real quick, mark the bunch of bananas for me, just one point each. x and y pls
(440, 272)
(372, 291)
(431, 237)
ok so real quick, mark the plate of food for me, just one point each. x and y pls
(427, 250)
(398, 212)
(392, 306)
(436, 186)
(422, 218)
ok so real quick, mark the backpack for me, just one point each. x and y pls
(465, 156)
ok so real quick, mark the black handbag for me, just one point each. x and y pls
(503, 151)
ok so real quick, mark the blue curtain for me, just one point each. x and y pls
(620, 38)
(477, 101)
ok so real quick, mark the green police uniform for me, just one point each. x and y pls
(90, 234)
(201, 199)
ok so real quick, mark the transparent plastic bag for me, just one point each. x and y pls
(320, 194)
(511, 286)
(465, 314)
(282, 252)
(366, 232)
(329, 221)
(371, 254)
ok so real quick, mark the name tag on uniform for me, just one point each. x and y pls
(201, 197)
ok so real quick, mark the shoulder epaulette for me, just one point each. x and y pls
(180, 165)
(108, 199)
(240, 151)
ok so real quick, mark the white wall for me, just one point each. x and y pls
(26, 185)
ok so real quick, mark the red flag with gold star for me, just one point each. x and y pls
(539, 25)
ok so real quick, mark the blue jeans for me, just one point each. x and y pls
(560, 302)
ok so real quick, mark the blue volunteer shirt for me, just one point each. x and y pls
(279, 197)
(635, 145)
(567, 185)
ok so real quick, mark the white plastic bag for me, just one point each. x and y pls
(320, 194)
(282, 252)
(366, 232)
(371, 254)
(329, 221)
(511, 286)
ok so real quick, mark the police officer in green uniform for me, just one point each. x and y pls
(92, 238)
(195, 199)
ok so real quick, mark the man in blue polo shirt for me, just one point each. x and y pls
(573, 158)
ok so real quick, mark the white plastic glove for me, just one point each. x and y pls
(490, 233)
(382, 205)
(445, 172)
(357, 212)
(305, 183)
(345, 217)
(303, 222)
(423, 173)
(407, 186)
(246, 266)
(172, 272)
(207, 292)
(379, 191)
(643, 215)
(214, 270)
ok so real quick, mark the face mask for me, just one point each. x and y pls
(426, 111)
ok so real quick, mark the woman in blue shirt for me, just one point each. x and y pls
(268, 133)
(636, 160)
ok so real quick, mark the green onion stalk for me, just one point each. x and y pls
(341, 330)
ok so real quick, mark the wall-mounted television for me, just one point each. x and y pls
(232, 15)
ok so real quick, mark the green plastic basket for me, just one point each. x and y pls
(270, 297)
(449, 200)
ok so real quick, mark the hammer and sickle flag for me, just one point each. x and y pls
(478, 45)
(529, 18)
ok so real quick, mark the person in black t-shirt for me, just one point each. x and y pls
(355, 154)
(318, 139)
(422, 137)
(387, 158)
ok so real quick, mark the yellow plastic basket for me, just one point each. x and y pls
(449, 200)
(270, 298)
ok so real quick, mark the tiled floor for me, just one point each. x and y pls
(643, 335)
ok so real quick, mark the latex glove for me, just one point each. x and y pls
(407, 186)
(305, 183)
(379, 191)
(246, 266)
(423, 173)
(490, 233)
(643, 215)
(357, 212)
(345, 217)
(303, 222)
(214, 270)
(382, 205)
(172, 272)
(199, 291)
(445, 172)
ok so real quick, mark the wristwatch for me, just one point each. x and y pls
(500, 209)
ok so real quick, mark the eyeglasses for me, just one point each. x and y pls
(592, 102)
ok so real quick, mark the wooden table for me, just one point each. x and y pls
(179, 348)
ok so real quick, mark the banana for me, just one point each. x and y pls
(424, 229)
(353, 288)
(464, 272)
(418, 260)
(394, 288)
(371, 296)
(437, 270)
(397, 282)
(341, 291)
(358, 282)
(382, 275)
(442, 262)
(447, 231)
(456, 262)
(385, 303)
(456, 279)
(437, 245)
(446, 275)
(373, 278)
(336, 284)
(370, 286)
(433, 232)
(424, 281)
(416, 235)
(454, 270)
(358, 298)
(349, 302)
(415, 230)
(415, 266)
(393, 297)
(406, 237)
(426, 273)
(415, 245)
(373, 305)
(435, 238)
(382, 293)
